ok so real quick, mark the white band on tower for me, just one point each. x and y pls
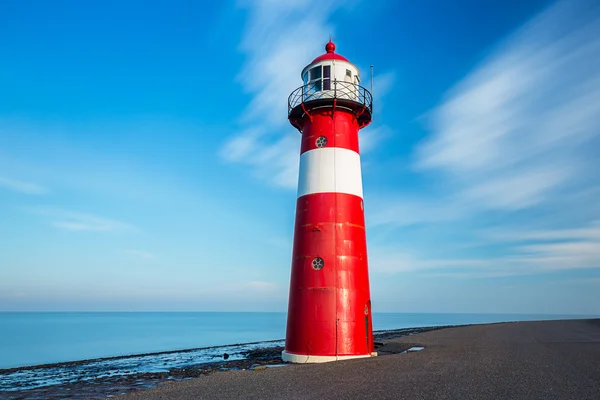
(311, 359)
(330, 170)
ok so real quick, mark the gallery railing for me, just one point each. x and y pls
(324, 89)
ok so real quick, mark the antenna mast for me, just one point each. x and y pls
(371, 81)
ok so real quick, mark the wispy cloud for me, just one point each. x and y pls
(280, 38)
(514, 145)
(518, 134)
(557, 249)
(275, 162)
(409, 210)
(520, 127)
(372, 136)
(77, 221)
(525, 252)
(141, 254)
(22, 186)
(590, 231)
(391, 261)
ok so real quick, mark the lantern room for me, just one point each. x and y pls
(330, 80)
(329, 67)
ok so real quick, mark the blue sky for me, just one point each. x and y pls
(146, 161)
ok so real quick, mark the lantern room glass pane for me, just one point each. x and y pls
(326, 77)
(315, 86)
(315, 73)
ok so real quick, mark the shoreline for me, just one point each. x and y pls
(125, 356)
(555, 359)
(104, 377)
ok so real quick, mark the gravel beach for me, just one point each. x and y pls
(524, 360)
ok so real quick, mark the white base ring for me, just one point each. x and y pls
(305, 359)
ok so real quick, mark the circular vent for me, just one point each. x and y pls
(321, 141)
(318, 263)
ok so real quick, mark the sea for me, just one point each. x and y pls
(32, 338)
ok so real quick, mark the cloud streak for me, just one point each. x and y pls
(515, 131)
(520, 130)
(279, 40)
(81, 222)
(141, 254)
(22, 186)
(526, 253)
(513, 145)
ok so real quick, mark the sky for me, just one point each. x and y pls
(147, 164)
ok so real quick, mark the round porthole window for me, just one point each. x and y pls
(321, 141)
(318, 263)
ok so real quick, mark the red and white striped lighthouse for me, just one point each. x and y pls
(329, 310)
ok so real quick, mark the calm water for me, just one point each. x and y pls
(39, 338)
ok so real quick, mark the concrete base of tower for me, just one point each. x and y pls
(309, 359)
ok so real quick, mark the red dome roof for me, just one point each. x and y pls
(330, 55)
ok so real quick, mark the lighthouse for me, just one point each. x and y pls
(329, 309)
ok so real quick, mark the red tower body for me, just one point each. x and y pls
(329, 311)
